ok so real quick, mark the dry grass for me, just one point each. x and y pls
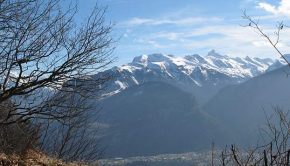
(32, 158)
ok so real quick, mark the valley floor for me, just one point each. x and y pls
(182, 159)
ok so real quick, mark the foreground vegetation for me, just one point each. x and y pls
(34, 158)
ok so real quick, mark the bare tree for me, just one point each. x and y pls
(42, 51)
(47, 77)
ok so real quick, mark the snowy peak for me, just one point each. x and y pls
(151, 58)
(214, 54)
(194, 70)
(140, 59)
(234, 67)
(195, 57)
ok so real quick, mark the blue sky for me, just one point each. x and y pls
(182, 27)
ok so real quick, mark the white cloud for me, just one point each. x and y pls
(136, 21)
(150, 42)
(194, 34)
(282, 9)
(173, 36)
(260, 43)
(231, 40)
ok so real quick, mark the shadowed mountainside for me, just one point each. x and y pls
(156, 118)
(244, 107)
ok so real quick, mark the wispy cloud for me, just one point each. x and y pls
(182, 32)
(232, 40)
(239, 41)
(136, 21)
(152, 43)
(282, 9)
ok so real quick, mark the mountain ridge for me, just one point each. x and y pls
(193, 73)
(161, 97)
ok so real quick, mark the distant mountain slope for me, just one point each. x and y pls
(243, 107)
(193, 73)
(152, 105)
(155, 118)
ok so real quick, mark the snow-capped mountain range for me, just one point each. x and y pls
(186, 101)
(191, 72)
